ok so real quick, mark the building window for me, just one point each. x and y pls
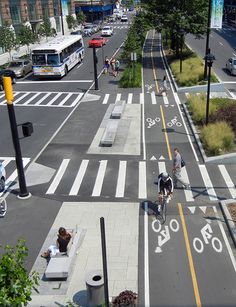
(32, 10)
(14, 6)
(45, 9)
(56, 11)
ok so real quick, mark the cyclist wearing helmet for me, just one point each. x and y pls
(164, 185)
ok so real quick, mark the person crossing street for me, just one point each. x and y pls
(177, 165)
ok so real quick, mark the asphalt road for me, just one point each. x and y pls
(188, 261)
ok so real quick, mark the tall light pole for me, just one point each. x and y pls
(209, 58)
(181, 32)
(207, 37)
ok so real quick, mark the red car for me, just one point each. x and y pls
(97, 41)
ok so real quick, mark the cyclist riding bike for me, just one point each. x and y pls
(165, 187)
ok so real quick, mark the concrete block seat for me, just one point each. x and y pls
(59, 266)
(118, 109)
(109, 134)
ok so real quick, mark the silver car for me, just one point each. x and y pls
(20, 67)
(2, 177)
(231, 65)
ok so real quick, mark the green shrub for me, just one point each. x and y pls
(131, 78)
(217, 138)
(226, 113)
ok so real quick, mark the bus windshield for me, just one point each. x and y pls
(39, 59)
(52, 59)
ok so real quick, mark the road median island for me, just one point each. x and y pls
(228, 208)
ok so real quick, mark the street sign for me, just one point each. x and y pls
(133, 56)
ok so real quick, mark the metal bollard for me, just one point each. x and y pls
(95, 288)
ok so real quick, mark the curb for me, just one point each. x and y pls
(228, 219)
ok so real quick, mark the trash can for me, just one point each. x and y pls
(95, 288)
(27, 129)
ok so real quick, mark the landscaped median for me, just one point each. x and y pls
(229, 211)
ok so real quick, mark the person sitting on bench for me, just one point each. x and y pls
(61, 244)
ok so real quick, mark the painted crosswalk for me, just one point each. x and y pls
(107, 178)
(133, 98)
(44, 99)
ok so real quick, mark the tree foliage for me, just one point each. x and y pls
(7, 39)
(26, 36)
(80, 17)
(15, 283)
(46, 29)
(71, 22)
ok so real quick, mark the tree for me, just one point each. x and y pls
(7, 39)
(80, 17)
(71, 21)
(15, 284)
(26, 36)
(46, 29)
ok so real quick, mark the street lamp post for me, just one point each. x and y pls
(209, 58)
(207, 37)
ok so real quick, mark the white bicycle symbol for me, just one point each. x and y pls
(149, 87)
(3, 207)
(152, 122)
(207, 238)
(174, 122)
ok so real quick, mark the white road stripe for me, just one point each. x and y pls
(42, 99)
(79, 177)
(141, 98)
(166, 101)
(146, 257)
(225, 238)
(118, 97)
(65, 99)
(105, 100)
(32, 98)
(120, 187)
(228, 181)
(4, 101)
(99, 179)
(59, 81)
(54, 99)
(20, 98)
(188, 193)
(162, 167)
(153, 96)
(208, 184)
(76, 100)
(130, 98)
(142, 188)
(59, 175)
(2, 95)
(6, 161)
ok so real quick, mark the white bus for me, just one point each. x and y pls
(58, 56)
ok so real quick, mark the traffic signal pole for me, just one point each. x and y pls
(15, 138)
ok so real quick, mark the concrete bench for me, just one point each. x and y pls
(118, 109)
(59, 265)
(109, 134)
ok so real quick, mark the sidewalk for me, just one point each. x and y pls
(122, 228)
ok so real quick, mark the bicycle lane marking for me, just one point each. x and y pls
(211, 260)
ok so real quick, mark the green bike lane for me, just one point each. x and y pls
(187, 261)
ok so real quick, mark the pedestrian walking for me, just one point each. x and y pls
(164, 88)
(112, 62)
(106, 65)
(117, 67)
(178, 163)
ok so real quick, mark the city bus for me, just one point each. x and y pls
(58, 56)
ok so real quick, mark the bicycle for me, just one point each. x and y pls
(164, 199)
(3, 207)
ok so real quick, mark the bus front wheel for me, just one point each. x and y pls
(66, 70)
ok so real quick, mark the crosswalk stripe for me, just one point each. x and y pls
(162, 167)
(153, 97)
(79, 177)
(99, 179)
(188, 193)
(42, 99)
(2, 95)
(141, 98)
(20, 98)
(166, 101)
(130, 98)
(105, 100)
(4, 101)
(7, 161)
(228, 181)
(120, 187)
(142, 191)
(208, 184)
(65, 99)
(53, 186)
(118, 97)
(32, 98)
(54, 99)
(76, 100)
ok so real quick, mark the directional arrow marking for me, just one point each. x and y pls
(153, 158)
(166, 234)
(206, 233)
(192, 209)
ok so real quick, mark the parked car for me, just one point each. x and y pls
(2, 177)
(95, 28)
(21, 67)
(107, 31)
(77, 32)
(7, 73)
(98, 23)
(231, 65)
(97, 41)
(88, 30)
(124, 18)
